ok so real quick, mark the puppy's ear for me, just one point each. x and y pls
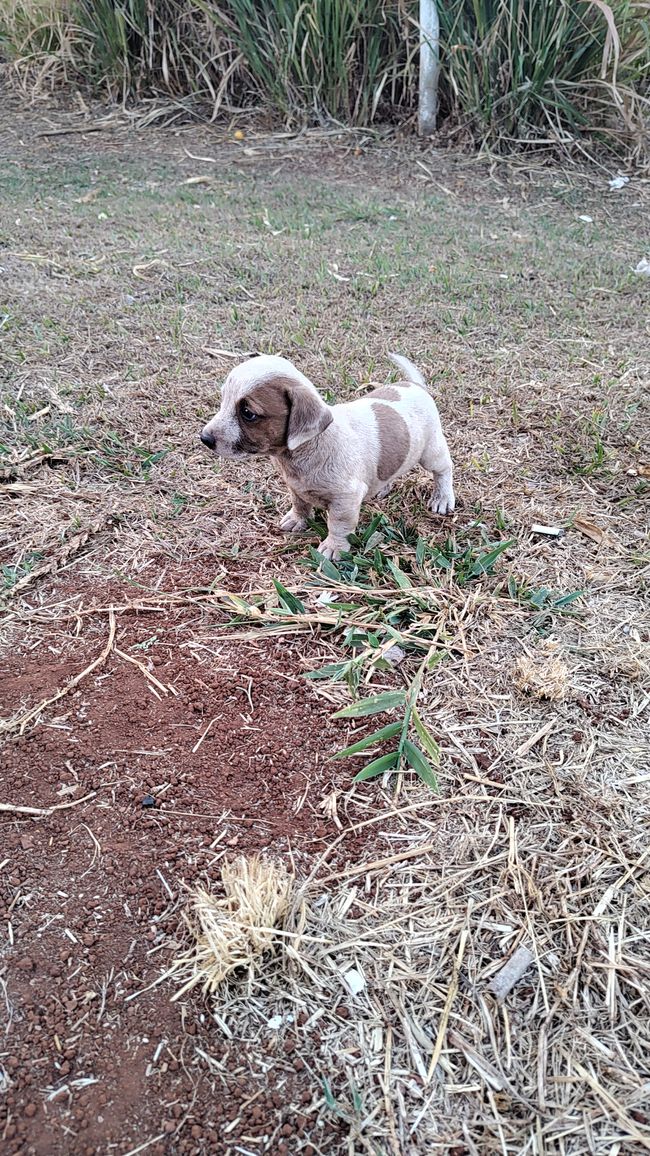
(308, 418)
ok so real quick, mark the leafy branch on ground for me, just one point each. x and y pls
(406, 753)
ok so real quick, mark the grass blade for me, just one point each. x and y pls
(484, 563)
(373, 705)
(387, 732)
(400, 577)
(378, 767)
(567, 599)
(287, 600)
(426, 738)
(420, 765)
(332, 670)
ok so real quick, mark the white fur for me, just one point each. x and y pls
(337, 469)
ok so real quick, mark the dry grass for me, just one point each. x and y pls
(390, 976)
(544, 675)
(233, 932)
(534, 332)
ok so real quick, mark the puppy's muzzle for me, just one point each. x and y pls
(208, 440)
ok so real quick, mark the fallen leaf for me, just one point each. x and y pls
(198, 181)
(590, 530)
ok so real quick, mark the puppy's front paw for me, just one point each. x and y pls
(292, 523)
(443, 502)
(331, 549)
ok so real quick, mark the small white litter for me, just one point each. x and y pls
(547, 531)
(619, 182)
(277, 1021)
(511, 972)
(354, 980)
(584, 217)
(326, 597)
(643, 268)
(395, 655)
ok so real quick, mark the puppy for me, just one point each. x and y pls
(335, 456)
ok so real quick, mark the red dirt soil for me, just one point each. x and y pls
(90, 894)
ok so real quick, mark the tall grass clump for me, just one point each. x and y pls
(306, 59)
(513, 72)
(527, 71)
(345, 58)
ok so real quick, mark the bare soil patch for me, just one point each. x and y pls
(90, 886)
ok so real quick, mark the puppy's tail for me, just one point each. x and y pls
(408, 369)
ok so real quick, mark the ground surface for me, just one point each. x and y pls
(134, 263)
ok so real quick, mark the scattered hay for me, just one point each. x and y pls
(235, 931)
(411, 990)
(542, 675)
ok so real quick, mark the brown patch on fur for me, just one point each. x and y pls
(272, 404)
(386, 393)
(394, 440)
(285, 409)
(309, 413)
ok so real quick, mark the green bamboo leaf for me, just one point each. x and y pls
(331, 670)
(426, 738)
(441, 561)
(566, 599)
(403, 581)
(420, 765)
(539, 598)
(327, 568)
(373, 705)
(329, 1098)
(484, 563)
(378, 767)
(288, 600)
(387, 732)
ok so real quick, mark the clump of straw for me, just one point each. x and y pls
(544, 676)
(234, 931)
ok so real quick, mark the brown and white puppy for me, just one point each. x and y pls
(333, 457)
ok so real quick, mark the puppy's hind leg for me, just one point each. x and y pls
(296, 519)
(437, 460)
(384, 491)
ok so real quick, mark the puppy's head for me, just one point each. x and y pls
(267, 407)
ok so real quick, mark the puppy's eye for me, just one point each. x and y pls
(247, 413)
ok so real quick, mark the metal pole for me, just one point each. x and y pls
(429, 67)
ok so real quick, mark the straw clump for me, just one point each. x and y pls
(544, 676)
(234, 931)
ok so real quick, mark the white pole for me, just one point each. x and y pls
(429, 67)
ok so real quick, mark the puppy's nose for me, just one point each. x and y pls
(208, 440)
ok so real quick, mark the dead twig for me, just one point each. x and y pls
(43, 812)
